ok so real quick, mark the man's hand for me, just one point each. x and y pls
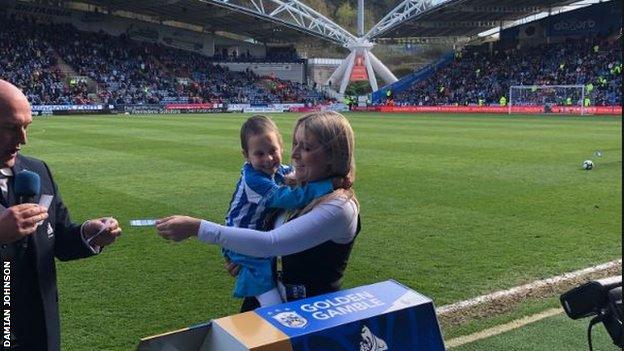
(19, 221)
(101, 231)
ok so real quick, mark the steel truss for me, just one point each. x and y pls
(406, 10)
(296, 15)
(290, 13)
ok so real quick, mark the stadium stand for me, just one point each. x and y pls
(116, 70)
(276, 54)
(581, 47)
(477, 76)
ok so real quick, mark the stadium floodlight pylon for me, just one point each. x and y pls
(299, 16)
(361, 51)
(565, 99)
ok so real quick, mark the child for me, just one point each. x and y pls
(257, 192)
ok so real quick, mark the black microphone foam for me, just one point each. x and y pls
(27, 186)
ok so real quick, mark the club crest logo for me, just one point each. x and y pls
(291, 319)
(370, 342)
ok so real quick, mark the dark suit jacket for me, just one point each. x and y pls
(56, 237)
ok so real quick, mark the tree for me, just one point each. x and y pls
(358, 88)
(346, 16)
(320, 6)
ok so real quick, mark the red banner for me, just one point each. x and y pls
(305, 109)
(189, 106)
(573, 110)
(591, 110)
(366, 108)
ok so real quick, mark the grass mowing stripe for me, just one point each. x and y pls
(487, 333)
(555, 333)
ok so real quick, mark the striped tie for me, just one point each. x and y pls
(3, 188)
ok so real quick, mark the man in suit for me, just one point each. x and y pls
(32, 235)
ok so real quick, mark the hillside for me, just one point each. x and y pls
(344, 12)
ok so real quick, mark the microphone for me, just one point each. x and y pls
(27, 185)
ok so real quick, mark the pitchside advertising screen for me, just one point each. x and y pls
(377, 317)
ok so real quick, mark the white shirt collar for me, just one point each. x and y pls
(7, 172)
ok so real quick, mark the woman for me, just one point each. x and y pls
(315, 242)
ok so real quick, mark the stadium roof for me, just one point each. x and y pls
(457, 18)
(198, 15)
(275, 21)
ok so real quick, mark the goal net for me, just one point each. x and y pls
(559, 99)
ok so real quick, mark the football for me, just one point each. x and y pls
(587, 165)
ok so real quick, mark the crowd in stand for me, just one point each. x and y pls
(116, 70)
(30, 64)
(277, 54)
(480, 77)
(57, 64)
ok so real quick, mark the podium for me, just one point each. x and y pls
(376, 317)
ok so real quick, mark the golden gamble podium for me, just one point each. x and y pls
(376, 317)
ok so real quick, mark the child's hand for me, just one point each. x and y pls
(232, 268)
(289, 179)
(341, 183)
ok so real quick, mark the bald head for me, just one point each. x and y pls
(10, 98)
(15, 116)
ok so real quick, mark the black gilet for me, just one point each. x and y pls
(319, 269)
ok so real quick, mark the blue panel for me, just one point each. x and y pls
(385, 313)
(409, 80)
(592, 20)
(414, 329)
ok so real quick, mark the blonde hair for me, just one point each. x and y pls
(333, 131)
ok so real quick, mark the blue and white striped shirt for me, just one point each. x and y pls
(257, 192)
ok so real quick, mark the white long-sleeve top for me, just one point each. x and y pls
(334, 220)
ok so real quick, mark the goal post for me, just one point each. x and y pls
(559, 99)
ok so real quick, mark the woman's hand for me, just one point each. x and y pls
(177, 228)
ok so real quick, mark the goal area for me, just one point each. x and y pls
(555, 99)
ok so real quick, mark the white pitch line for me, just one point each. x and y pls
(446, 309)
(462, 340)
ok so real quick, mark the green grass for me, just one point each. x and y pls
(453, 206)
(557, 333)
(528, 307)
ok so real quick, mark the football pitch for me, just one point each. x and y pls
(453, 206)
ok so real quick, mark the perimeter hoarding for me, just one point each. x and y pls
(381, 316)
